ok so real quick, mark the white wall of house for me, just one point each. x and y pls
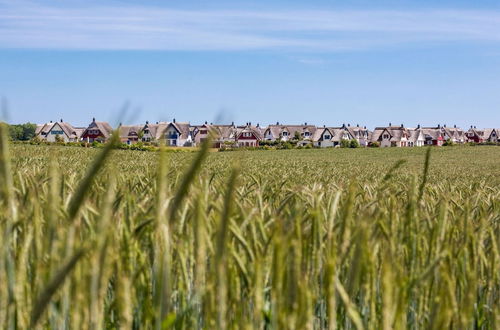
(324, 144)
(173, 137)
(57, 131)
(326, 140)
(147, 136)
(285, 136)
(269, 136)
(386, 140)
(493, 137)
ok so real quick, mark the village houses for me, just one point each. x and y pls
(183, 134)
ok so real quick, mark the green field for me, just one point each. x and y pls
(299, 239)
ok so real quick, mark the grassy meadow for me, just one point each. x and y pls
(287, 239)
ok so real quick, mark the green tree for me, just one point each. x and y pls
(354, 144)
(15, 132)
(22, 132)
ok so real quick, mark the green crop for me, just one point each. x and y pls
(290, 239)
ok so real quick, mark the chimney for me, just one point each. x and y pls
(364, 127)
(444, 125)
(439, 125)
(232, 123)
(258, 125)
(470, 126)
(343, 125)
(305, 124)
(173, 120)
(455, 126)
(390, 124)
(206, 122)
(348, 124)
(93, 120)
(474, 126)
(402, 125)
(357, 125)
(418, 126)
(157, 123)
(324, 126)
(147, 122)
(61, 120)
(51, 123)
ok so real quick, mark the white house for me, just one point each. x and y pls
(62, 131)
(178, 134)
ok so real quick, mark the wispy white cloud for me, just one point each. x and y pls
(37, 25)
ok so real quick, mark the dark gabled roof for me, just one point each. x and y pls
(102, 126)
(127, 131)
(255, 130)
(277, 130)
(43, 128)
(182, 128)
(396, 133)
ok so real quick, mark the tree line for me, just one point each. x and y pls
(22, 132)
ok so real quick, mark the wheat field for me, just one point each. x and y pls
(292, 239)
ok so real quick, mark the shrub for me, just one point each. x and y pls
(448, 143)
(354, 144)
(345, 143)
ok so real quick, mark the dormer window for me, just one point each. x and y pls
(146, 131)
(285, 133)
(386, 136)
(306, 133)
(327, 137)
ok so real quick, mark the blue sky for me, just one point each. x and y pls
(411, 62)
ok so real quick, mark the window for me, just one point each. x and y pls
(285, 133)
(306, 133)
(327, 137)
(203, 131)
(56, 132)
(386, 136)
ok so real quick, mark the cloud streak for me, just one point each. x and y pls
(31, 25)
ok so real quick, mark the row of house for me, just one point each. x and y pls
(181, 134)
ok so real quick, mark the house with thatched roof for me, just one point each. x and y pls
(285, 132)
(130, 134)
(178, 134)
(331, 136)
(248, 135)
(58, 131)
(482, 135)
(360, 134)
(453, 134)
(97, 131)
(391, 136)
(220, 134)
